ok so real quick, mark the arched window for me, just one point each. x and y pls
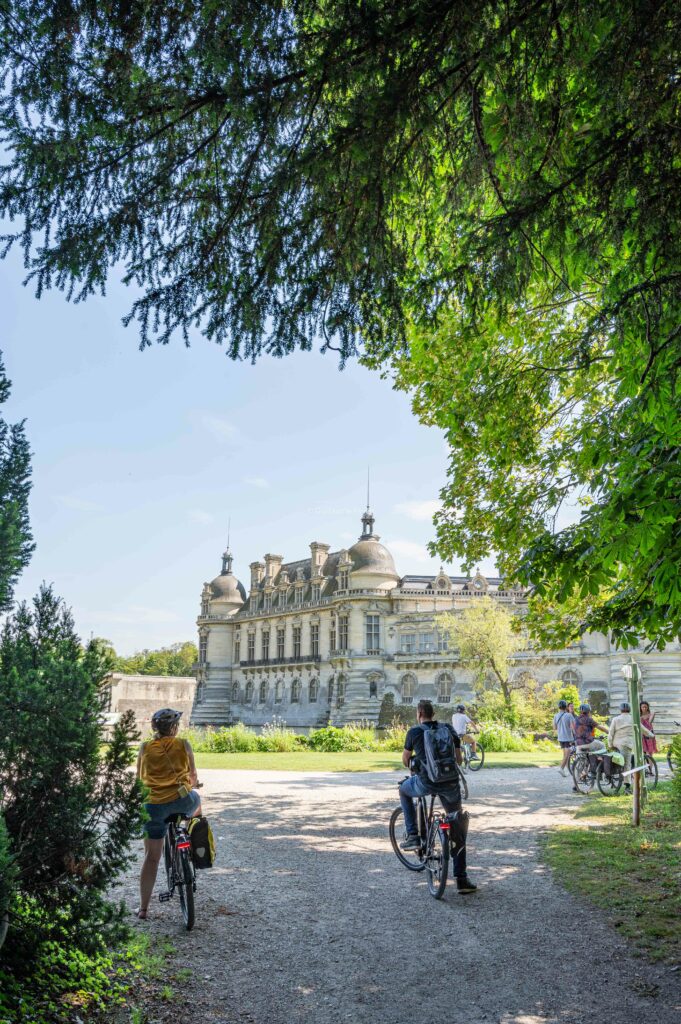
(444, 688)
(570, 677)
(295, 691)
(408, 688)
(373, 688)
(235, 692)
(263, 692)
(249, 691)
(340, 699)
(314, 690)
(278, 691)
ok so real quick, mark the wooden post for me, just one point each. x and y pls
(639, 784)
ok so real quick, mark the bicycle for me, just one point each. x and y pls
(608, 778)
(580, 768)
(467, 754)
(433, 855)
(179, 865)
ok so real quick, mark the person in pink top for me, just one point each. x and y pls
(647, 719)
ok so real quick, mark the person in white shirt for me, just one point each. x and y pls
(461, 724)
(621, 734)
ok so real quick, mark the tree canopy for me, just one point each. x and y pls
(175, 660)
(486, 636)
(16, 545)
(482, 199)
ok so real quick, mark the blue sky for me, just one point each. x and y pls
(140, 458)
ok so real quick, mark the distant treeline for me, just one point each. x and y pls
(175, 660)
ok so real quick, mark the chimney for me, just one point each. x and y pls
(272, 566)
(257, 572)
(318, 552)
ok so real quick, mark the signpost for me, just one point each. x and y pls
(632, 674)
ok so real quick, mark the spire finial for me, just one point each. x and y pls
(367, 518)
(227, 554)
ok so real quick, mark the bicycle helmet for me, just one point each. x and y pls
(165, 718)
(585, 708)
(562, 705)
(625, 706)
(461, 707)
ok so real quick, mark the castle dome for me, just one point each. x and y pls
(368, 555)
(226, 588)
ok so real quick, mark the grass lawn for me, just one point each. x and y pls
(362, 761)
(632, 874)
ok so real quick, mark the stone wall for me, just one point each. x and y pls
(146, 694)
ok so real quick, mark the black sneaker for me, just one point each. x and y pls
(411, 843)
(465, 885)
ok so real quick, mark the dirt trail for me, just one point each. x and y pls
(309, 917)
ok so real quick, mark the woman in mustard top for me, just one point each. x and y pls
(166, 767)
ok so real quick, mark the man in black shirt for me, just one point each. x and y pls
(420, 785)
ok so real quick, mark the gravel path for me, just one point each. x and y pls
(309, 917)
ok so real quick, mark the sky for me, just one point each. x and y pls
(140, 459)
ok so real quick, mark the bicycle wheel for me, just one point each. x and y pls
(475, 766)
(652, 771)
(412, 859)
(437, 862)
(185, 875)
(581, 773)
(673, 760)
(609, 785)
(463, 785)
(168, 857)
(571, 761)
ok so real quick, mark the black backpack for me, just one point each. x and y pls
(438, 744)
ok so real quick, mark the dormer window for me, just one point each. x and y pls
(343, 579)
(316, 591)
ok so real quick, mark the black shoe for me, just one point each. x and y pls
(465, 885)
(412, 842)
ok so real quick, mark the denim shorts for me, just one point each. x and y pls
(157, 826)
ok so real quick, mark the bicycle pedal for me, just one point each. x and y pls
(164, 897)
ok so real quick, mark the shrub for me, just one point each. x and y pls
(276, 738)
(354, 736)
(393, 737)
(71, 812)
(499, 738)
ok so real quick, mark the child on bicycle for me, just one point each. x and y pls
(166, 767)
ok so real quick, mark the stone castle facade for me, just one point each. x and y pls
(321, 641)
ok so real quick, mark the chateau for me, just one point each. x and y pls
(322, 640)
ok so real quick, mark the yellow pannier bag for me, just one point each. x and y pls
(203, 842)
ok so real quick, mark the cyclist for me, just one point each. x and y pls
(564, 724)
(420, 785)
(621, 735)
(166, 767)
(585, 731)
(462, 727)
